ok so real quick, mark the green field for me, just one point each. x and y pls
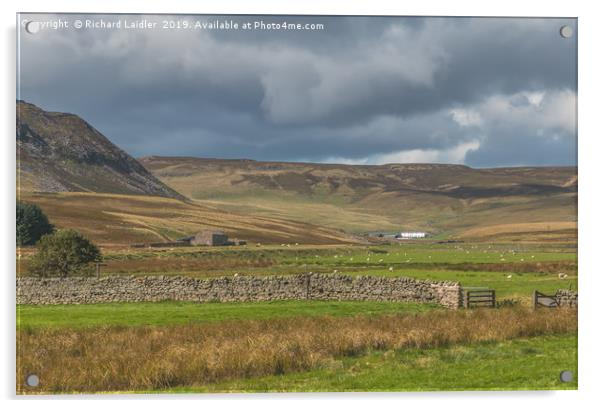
(472, 363)
(517, 286)
(180, 313)
(519, 364)
(514, 271)
(361, 255)
(433, 253)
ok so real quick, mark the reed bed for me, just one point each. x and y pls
(157, 358)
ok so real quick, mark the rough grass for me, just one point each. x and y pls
(160, 358)
(127, 219)
(181, 313)
(519, 228)
(519, 364)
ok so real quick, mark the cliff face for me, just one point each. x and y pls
(62, 152)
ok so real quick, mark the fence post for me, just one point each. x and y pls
(534, 299)
(98, 265)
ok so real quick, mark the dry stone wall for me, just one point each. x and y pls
(566, 298)
(76, 290)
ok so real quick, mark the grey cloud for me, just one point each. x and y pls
(511, 147)
(364, 86)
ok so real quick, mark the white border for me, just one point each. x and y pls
(589, 188)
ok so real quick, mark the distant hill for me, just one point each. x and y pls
(280, 202)
(60, 152)
(441, 199)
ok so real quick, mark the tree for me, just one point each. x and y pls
(32, 224)
(64, 253)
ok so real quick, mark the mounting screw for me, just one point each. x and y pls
(32, 27)
(566, 376)
(566, 31)
(32, 380)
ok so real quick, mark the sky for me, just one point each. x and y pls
(485, 92)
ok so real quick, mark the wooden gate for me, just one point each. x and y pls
(479, 297)
(540, 299)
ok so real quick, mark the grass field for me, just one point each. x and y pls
(519, 286)
(518, 364)
(347, 255)
(515, 271)
(311, 345)
(179, 313)
(161, 358)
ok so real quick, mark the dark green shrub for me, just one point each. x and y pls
(32, 224)
(64, 253)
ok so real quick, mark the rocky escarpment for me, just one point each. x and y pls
(62, 152)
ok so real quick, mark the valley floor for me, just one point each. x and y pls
(311, 345)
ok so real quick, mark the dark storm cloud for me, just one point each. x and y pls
(360, 89)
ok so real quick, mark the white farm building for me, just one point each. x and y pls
(411, 235)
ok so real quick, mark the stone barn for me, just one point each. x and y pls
(209, 238)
